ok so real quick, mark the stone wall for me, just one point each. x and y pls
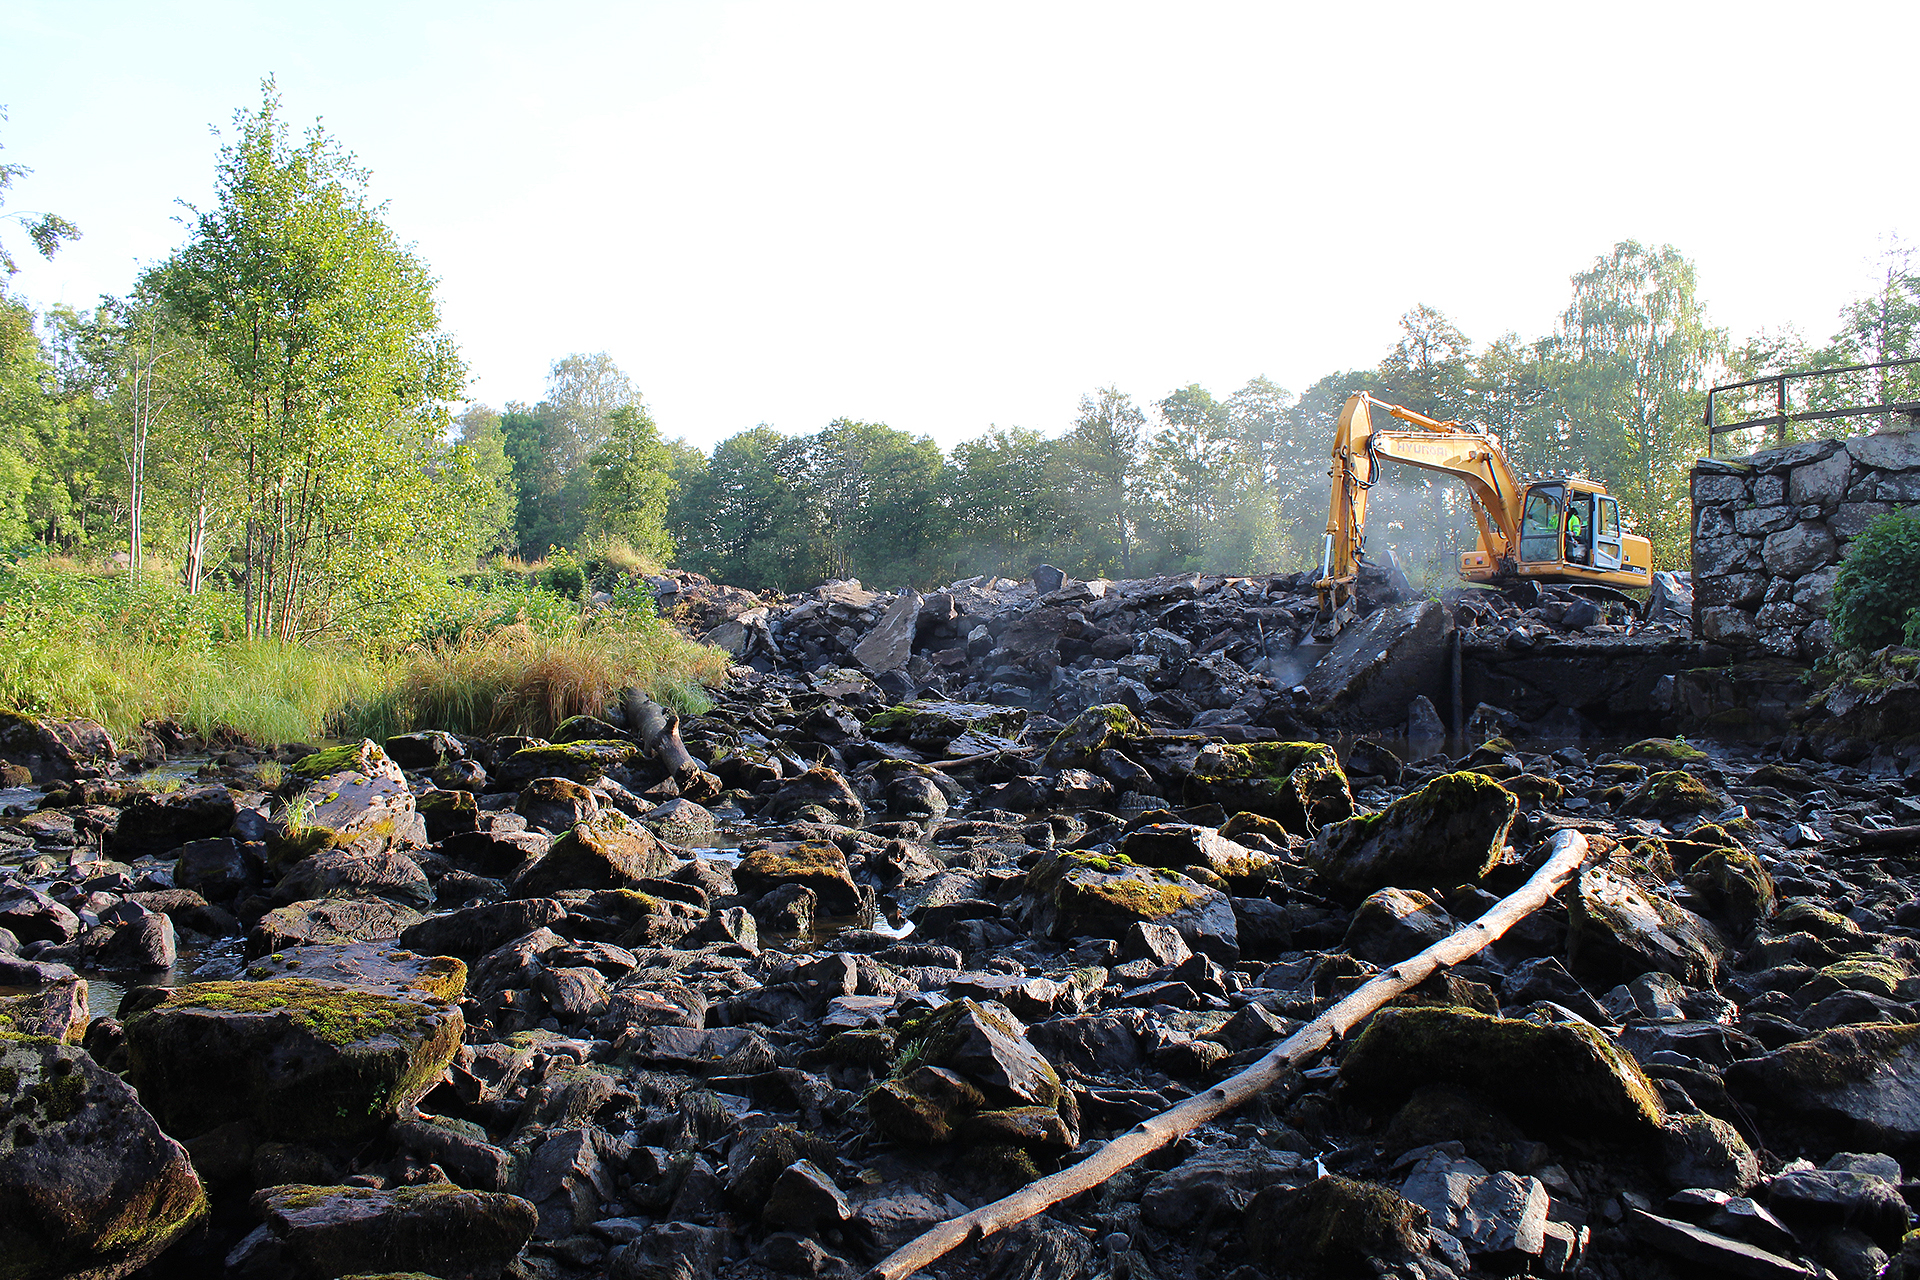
(1769, 531)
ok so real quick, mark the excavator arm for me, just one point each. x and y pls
(1448, 448)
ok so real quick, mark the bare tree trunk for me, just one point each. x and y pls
(1569, 853)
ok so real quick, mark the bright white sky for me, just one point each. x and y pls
(949, 216)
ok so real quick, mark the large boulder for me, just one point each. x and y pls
(318, 1233)
(55, 750)
(347, 873)
(978, 1076)
(327, 921)
(1563, 1077)
(299, 1060)
(350, 797)
(1851, 1085)
(157, 823)
(1449, 832)
(818, 865)
(1298, 784)
(1617, 931)
(1377, 667)
(818, 788)
(610, 853)
(1070, 895)
(888, 646)
(584, 762)
(474, 931)
(91, 1187)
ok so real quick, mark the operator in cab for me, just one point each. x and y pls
(1580, 528)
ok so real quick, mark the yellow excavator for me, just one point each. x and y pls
(1561, 529)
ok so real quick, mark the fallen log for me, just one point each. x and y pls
(1569, 853)
(659, 731)
(1865, 838)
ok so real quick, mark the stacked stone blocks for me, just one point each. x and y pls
(1770, 530)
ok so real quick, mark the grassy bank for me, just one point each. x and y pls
(518, 659)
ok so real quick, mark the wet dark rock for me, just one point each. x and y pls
(92, 1186)
(1333, 1226)
(218, 869)
(329, 921)
(1708, 1249)
(1217, 1185)
(805, 1199)
(1393, 924)
(1617, 930)
(1076, 895)
(1566, 1076)
(313, 1233)
(1862, 1196)
(816, 865)
(1380, 665)
(156, 823)
(818, 789)
(1297, 784)
(611, 853)
(341, 873)
(473, 931)
(556, 804)
(32, 916)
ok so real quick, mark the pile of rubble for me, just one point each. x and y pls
(771, 991)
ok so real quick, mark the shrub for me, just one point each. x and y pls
(1876, 597)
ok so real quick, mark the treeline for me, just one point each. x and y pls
(1234, 483)
(269, 411)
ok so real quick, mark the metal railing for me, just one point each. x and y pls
(1781, 417)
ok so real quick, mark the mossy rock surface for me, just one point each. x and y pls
(586, 761)
(345, 797)
(57, 1011)
(1562, 1078)
(329, 922)
(367, 966)
(1617, 931)
(91, 1186)
(1736, 885)
(609, 853)
(1798, 915)
(819, 865)
(1108, 726)
(584, 729)
(1071, 894)
(438, 1229)
(1334, 1227)
(1297, 784)
(935, 723)
(299, 1060)
(1875, 975)
(1672, 794)
(1451, 831)
(1852, 1088)
(1667, 750)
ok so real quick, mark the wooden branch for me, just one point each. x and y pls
(1569, 853)
(1865, 838)
(984, 755)
(659, 730)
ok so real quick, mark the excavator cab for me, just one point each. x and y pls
(1566, 523)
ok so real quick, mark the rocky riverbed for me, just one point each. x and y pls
(885, 936)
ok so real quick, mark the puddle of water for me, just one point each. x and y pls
(218, 961)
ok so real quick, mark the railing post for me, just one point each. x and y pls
(1780, 403)
(1710, 391)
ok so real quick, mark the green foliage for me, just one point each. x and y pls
(1876, 597)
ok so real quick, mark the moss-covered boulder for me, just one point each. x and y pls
(1449, 832)
(1669, 751)
(1673, 794)
(1735, 884)
(556, 804)
(1181, 845)
(1109, 726)
(610, 853)
(1617, 931)
(316, 1233)
(1072, 895)
(329, 922)
(1558, 1077)
(1853, 1088)
(583, 729)
(366, 966)
(968, 1070)
(1801, 915)
(1334, 1227)
(348, 797)
(1298, 784)
(299, 1060)
(347, 873)
(448, 812)
(586, 761)
(91, 1187)
(55, 750)
(46, 1001)
(820, 794)
(682, 822)
(934, 724)
(819, 865)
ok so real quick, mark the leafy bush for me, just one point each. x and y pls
(1876, 597)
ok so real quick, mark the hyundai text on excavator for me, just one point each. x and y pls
(1560, 529)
